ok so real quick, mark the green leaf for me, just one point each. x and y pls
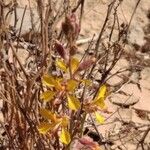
(65, 136)
(47, 96)
(73, 103)
(99, 118)
(61, 65)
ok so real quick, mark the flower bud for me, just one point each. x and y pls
(86, 64)
(70, 27)
(60, 49)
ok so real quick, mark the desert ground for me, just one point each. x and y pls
(128, 103)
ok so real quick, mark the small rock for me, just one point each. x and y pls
(125, 114)
(145, 78)
(140, 116)
(114, 81)
(145, 74)
(134, 37)
(144, 100)
(121, 65)
(26, 26)
(135, 77)
(123, 101)
(131, 89)
(129, 49)
(146, 57)
(146, 47)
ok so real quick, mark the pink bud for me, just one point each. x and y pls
(86, 64)
(70, 27)
(60, 49)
